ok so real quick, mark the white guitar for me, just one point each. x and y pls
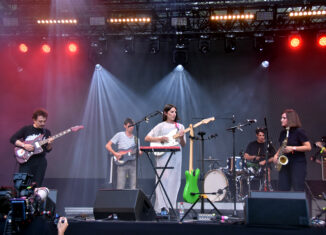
(173, 136)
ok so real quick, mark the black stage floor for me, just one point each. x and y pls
(40, 226)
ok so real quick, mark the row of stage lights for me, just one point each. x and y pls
(57, 21)
(71, 48)
(228, 17)
(296, 41)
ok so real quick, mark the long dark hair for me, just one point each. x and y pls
(292, 117)
(166, 109)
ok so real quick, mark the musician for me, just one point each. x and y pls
(255, 154)
(37, 164)
(171, 178)
(125, 140)
(294, 173)
(321, 150)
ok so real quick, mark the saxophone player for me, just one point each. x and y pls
(294, 172)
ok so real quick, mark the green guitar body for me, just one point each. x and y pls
(191, 186)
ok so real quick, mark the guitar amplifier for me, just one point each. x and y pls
(323, 167)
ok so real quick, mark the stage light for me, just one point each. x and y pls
(321, 40)
(129, 20)
(265, 64)
(179, 68)
(46, 48)
(72, 47)
(204, 44)
(230, 43)
(57, 21)
(154, 46)
(295, 41)
(232, 17)
(307, 13)
(23, 48)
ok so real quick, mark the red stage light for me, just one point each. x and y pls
(46, 48)
(72, 47)
(295, 41)
(322, 41)
(23, 48)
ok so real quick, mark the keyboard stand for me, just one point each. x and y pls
(160, 176)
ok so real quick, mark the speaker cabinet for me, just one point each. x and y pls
(127, 204)
(277, 208)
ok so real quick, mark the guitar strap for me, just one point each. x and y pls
(177, 126)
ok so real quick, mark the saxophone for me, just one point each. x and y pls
(282, 160)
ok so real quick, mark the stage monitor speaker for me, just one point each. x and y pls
(127, 204)
(277, 208)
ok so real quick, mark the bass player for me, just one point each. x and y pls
(125, 157)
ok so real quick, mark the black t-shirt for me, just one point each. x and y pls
(297, 137)
(259, 149)
(29, 133)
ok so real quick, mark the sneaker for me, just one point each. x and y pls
(164, 211)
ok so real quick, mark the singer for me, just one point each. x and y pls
(126, 144)
(293, 174)
(171, 178)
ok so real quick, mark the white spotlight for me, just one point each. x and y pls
(98, 67)
(179, 68)
(265, 63)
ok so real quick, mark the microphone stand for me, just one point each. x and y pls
(232, 129)
(137, 124)
(267, 146)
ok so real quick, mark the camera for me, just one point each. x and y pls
(29, 202)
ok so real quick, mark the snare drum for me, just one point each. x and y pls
(216, 182)
(239, 164)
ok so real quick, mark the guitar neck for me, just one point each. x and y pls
(191, 150)
(62, 133)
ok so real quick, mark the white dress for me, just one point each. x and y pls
(171, 178)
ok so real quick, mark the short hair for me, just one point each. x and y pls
(260, 129)
(292, 117)
(128, 121)
(166, 109)
(39, 112)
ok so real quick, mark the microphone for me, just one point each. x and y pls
(233, 118)
(159, 112)
(220, 191)
(252, 120)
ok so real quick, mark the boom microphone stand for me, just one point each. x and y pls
(137, 124)
(267, 146)
(233, 129)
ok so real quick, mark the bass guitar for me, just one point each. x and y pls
(126, 155)
(173, 136)
(191, 191)
(22, 155)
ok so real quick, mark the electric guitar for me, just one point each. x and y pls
(126, 155)
(22, 155)
(173, 136)
(191, 191)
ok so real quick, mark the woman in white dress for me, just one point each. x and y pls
(171, 178)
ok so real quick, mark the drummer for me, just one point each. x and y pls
(255, 156)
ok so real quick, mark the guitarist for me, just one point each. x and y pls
(37, 164)
(171, 178)
(125, 140)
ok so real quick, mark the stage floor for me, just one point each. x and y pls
(39, 226)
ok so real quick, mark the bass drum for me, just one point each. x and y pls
(216, 182)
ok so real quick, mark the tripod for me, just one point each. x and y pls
(202, 197)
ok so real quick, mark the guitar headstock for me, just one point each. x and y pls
(207, 120)
(77, 128)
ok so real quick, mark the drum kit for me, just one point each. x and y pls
(217, 181)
